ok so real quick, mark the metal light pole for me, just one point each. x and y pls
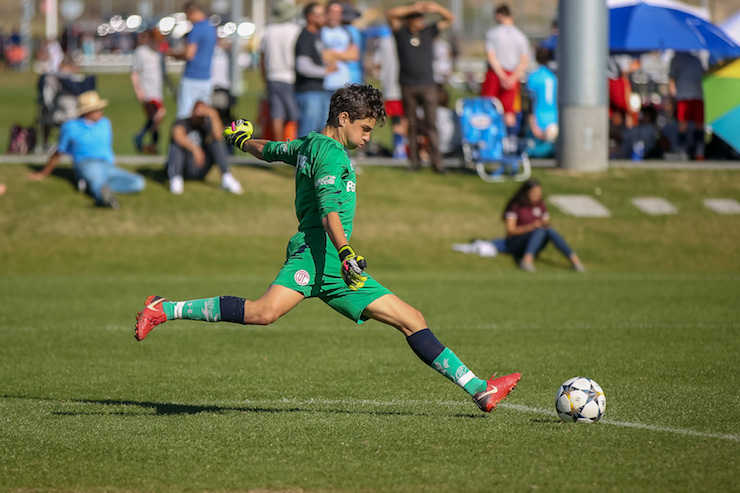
(237, 87)
(52, 19)
(582, 87)
(27, 13)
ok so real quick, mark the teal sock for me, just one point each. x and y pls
(207, 309)
(449, 365)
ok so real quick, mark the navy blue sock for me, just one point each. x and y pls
(232, 309)
(425, 345)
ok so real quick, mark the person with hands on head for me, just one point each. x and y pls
(320, 261)
(415, 47)
(528, 228)
(197, 144)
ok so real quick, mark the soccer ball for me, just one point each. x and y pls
(581, 400)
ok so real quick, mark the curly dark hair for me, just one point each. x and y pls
(360, 101)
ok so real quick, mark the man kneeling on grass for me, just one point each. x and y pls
(320, 262)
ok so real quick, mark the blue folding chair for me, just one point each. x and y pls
(485, 143)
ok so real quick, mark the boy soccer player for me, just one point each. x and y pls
(320, 262)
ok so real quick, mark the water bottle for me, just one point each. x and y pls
(638, 151)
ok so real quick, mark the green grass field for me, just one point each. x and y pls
(314, 403)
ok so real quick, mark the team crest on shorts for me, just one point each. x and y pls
(302, 277)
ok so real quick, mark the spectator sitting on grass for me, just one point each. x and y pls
(527, 231)
(88, 139)
(197, 144)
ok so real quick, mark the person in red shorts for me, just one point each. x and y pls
(507, 53)
(685, 73)
(394, 110)
(147, 79)
(618, 70)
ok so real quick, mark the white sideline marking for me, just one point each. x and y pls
(626, 424)
(515, 407)
(579, 205)
(654, 206)
(723, 206)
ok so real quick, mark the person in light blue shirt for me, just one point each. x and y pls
(195, 84)
(338, 47)
(88, 139)
(543, 120)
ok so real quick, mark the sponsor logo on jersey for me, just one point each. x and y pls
(301, 164)
(302, 278)
(326, 180)
(351, 186)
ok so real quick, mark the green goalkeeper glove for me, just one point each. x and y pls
(352, 267)
(238, 133)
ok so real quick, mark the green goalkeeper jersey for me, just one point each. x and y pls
(325, 179)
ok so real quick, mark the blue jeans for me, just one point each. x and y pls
(534, 241)
(180, 161)
(98, 173)
(314, 111)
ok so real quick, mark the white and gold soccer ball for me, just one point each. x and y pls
(580, 400)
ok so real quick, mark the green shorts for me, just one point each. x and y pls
(313, 269)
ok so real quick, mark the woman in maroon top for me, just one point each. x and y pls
(528, 228)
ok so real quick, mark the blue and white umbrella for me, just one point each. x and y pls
(732, 26)
(639, 26)
(648, 25)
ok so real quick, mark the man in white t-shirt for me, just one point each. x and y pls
(507, 54)
(277, 64)
(221, 98)
(147, 77)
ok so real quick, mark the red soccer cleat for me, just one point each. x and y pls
(148, 318)
(496, 391)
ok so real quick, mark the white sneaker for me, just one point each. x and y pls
(231, 185)
(177, 185)
(482, 248)
(463, 247)
(485, 249)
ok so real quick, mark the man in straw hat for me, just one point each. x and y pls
(89, 140)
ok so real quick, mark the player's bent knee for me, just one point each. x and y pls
(261, 317)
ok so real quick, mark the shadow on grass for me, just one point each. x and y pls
(172, 409)
(66, 174)
(157, 175)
